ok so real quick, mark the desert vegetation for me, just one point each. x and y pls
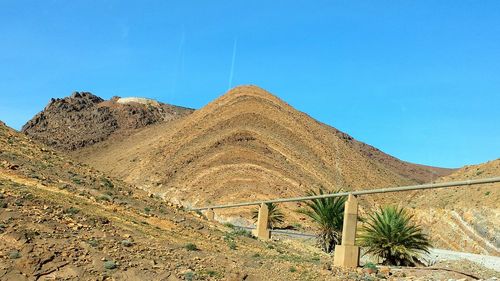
(328, 213)
(390, 234)
(275, 215)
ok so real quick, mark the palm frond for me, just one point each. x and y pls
(328, 213)
(390, 235)
(275, 215)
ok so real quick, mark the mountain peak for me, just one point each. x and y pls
(249, 90)
(251, 140)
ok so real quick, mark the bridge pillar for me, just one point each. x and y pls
(261, 231)
(210, 214)
(347, 254)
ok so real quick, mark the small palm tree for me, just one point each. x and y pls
(390, 235)
(275, 216)
(328, 213)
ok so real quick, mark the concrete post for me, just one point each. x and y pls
(210, 214)
(261, 231)
(347, 254)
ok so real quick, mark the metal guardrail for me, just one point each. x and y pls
(357, 193)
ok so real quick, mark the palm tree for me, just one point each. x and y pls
(390, 235)
(328, 213)
(275, 216)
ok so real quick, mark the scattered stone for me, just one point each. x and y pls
(127, 243)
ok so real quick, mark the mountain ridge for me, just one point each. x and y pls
(247, 129)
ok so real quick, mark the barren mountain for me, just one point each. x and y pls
(84, 119)
(61, 220)
(247, 145)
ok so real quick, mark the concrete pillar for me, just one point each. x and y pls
(210, 214)
(261, 231)
(347, 254)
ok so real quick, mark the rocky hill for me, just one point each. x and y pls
(61, 220)
(248, 145)
(83, 119)
(468, 218)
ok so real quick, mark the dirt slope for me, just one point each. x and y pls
(465, 218)
(83, 119)
(247, 145)
(418, 173)
(66, 221)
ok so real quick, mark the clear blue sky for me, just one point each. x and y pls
(417, 79)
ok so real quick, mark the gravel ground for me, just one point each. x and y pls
(490, 262)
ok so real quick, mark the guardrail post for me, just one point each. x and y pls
(347, 254)
(210, 214)
(261, 231)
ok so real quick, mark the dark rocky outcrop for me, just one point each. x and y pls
(83, 119)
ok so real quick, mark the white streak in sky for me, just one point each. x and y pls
(231, 73)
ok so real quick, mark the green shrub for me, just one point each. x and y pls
(292, 269)
(231, 244)
(191, 247)
(107, 183)
(213, 273)
(370, 265)
(235, 232)
(241, 232)
(390, 235)
(110, 265)
(14, 254)
(189, 276)
(71, 211)
(228, 224)
(92, 242)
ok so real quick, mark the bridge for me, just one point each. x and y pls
(347, 254)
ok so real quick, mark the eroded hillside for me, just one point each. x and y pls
(464, 218)
(64, 220)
